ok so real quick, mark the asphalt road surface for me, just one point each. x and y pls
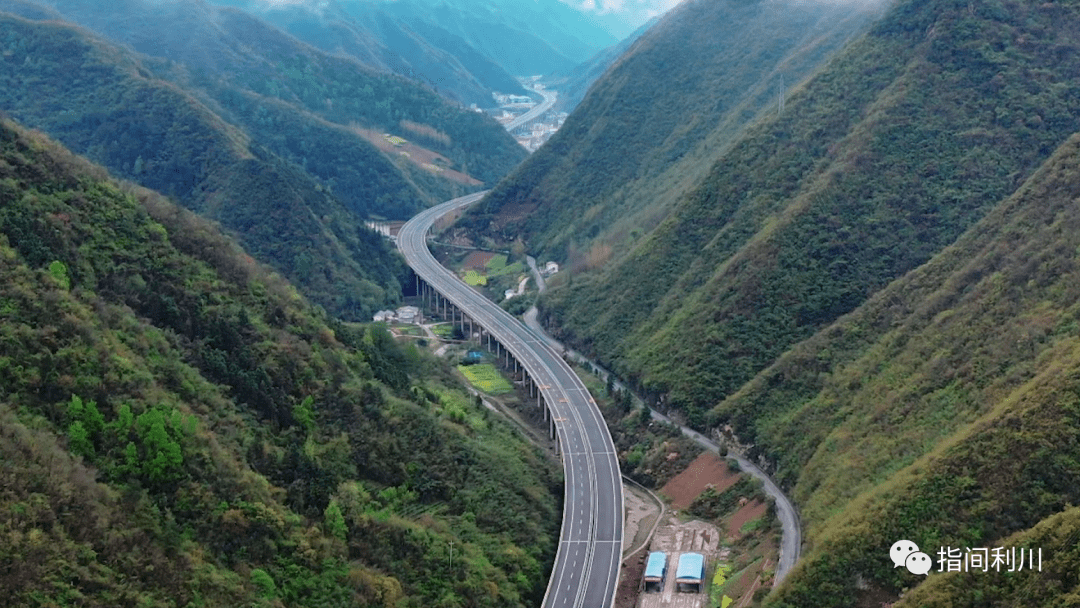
(586, 569)
(535, 112)
(790, 526)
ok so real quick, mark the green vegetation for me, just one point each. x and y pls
(474, 278)
(179, 427)
(882, 159)
(274, 153)
(876, 290)
(1056, 585)
(712, 505)
(628, 153)
(497, 274)
(717, 599)
(443, 330)
(485, 377)
(944, 410)
(154, 133)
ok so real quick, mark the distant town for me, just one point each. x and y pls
(533, 133)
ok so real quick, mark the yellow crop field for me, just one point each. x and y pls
(486, 378)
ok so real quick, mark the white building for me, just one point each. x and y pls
(409, 314)
(551, 268)
(384, 316)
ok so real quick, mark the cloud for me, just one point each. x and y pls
(640, 9)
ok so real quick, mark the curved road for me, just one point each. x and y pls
(791, 529)
(544, 106)
(586, 569)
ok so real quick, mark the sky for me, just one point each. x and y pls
(621, 17)
(640, 10)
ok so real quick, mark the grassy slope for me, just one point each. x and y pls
(945, 410)
(244, 450)
(653, 124)
(882, 159)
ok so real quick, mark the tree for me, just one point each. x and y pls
(644, 416)
(59, 271)
(79, 440)
(163, 457)
(264, 582)
(303, 413)
(335, 521)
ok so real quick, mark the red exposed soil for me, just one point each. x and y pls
(707, 469)
(745, 587)
(417, 155)
(748, 512)
(477, 260)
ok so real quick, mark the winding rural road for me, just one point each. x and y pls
(791, 527)
(586, 570)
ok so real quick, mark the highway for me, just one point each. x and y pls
(543, 106)
(586, 570)
(790, 526)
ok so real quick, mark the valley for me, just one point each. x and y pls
(711, 303)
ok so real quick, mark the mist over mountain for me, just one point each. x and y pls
(467, 50)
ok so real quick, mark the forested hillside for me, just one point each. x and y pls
(178, 427)
(416, 49)
(248, 71)
(874, 293)
(104, 102)
(252, 137)
(902, 142)
(659, 118)
(575, 84)
(945, 411)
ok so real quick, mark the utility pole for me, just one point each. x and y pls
(451, 555)
(780, 107)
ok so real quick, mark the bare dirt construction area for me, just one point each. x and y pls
(674, 538)
(705, 471)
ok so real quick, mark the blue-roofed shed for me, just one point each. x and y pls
(656, 567)
(691, 570)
